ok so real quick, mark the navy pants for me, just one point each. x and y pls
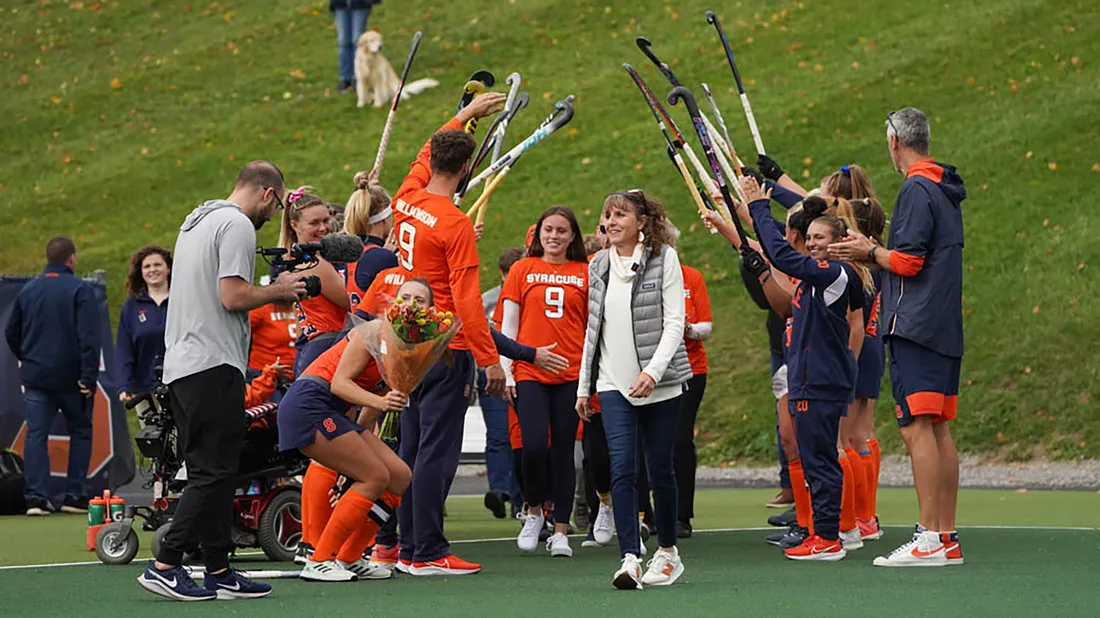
(498, 449)
(350, 25)
(41, 409)
(597, 463)
(431, 443)
(656, 424)
(816, 426)
(548, 419)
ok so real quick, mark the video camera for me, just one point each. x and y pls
(336, 248)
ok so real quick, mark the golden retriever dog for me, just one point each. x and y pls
(375, 79)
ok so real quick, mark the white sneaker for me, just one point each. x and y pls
(664, 569)
(327, 571)
(558, 545)
(851, 539)
(365, 570)
(926, 549)
(602, 529)
(529, 537)
(629, 575)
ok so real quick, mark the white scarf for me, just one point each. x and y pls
(621, 266)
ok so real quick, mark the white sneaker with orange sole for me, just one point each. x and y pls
(664, 568)
(924, 550)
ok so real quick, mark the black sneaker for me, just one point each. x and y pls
(231, 584)
(38, 507)
(794, 536)
(683, 530)
(175, 583)
(495, 503)
(76, 505)
(784, 519)
(775, 539)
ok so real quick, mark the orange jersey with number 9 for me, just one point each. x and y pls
(553, 307)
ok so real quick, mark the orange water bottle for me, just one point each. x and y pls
(115, 507)
(97, 518)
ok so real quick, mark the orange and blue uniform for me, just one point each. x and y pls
(871, 362)
(685, 460)
(320, 322)
(362, 274)
(274, 333)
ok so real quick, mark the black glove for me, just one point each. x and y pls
(753, 262)
(748, 171)
(769, 167)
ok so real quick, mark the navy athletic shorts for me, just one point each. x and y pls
(925, 382)
(307, 408)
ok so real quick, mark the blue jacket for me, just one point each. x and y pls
(351, 5)
(820, 363)
(922, 298)
(54, 331)
(139, 344)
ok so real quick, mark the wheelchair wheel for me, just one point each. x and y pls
(280, 527)
(116, 543)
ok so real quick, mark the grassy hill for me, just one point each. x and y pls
(119, 117)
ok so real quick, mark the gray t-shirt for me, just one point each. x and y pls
(216, 241)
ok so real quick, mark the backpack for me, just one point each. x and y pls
(12, 484)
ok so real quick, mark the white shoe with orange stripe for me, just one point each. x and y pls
(664, 569)
(951, 548)
(925, 550)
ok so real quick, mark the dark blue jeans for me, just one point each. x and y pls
(350, 25)
(656, 423)
(498, 450)
(41, 408)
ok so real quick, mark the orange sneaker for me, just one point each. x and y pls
(870, 530)
(952, 548)
(383, 556)
(447, 565)
(817, 548)
(404, 566)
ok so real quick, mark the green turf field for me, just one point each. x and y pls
(1020, 570)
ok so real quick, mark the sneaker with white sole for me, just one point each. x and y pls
(664, 569)
(629, 575)
(365, 570)
(230, 584)
(385, 557)
(924, 550)
(327, 571)
(558, 546)
(870, 530)
(403, 566)
(303, 553)
(174, 583)
(851, 539)
(602, 529)
(590, 540)
(528, 538)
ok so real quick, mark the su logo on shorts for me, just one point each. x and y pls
(330, 425)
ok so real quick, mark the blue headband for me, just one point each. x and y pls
(847, 171)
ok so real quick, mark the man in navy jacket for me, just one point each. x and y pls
(54, 332)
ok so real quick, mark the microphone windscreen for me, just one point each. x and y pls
(341, 248)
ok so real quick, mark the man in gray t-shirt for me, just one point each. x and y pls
(206, 355)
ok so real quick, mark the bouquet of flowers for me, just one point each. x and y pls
(411, 339)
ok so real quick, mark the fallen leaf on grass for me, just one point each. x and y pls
(297, 73)
(116, 84)
(1052, 166)
(1096, 167)
(1035, 311)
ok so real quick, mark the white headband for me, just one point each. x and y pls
(381, 215)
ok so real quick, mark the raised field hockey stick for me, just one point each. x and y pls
(493, 137)
(478, 83)
(709, 188)
(704, 204)
(678, 94)
(393, 107)
(513, 80)
(713, 19)
(722, 124)
(563, 113)
(721, 150)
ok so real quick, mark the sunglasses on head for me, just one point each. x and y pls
(890, 121)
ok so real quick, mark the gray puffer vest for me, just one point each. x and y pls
(645, 304)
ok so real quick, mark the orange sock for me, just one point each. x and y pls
(876, 466)
(350, 515)
(316, 509)
(872, 486)
(859, 474)
(803, 510)
(363, 537)
(848, 497)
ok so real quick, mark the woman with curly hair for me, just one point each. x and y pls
(139, 346)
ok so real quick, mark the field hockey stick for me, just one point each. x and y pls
(719, 118)
(393, 106)
(713, 19)
(710, 190)
(478, 83)
(563, 113)
(513, 80)
(490, 138)
(262, 574)
(680, 93)
(725, 154)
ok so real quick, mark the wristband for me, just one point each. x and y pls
(871, 254)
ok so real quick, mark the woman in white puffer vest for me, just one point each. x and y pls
(634, 358)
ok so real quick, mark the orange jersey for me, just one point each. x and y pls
(553, 307)
(318, 315)
(436, 242)
(325, 367)
(498, 315)
(383, 290)
(696, 310)
(361, 274)
(274, 332)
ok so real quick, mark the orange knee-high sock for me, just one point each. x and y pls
(876, 467)
(872, 486)
(848, 497)
(803, 510)
(316, 509)
(383, 509)
(862, 494)
(349, 515)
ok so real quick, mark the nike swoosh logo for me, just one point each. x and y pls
(924, 554)
(235, 586)
(817, 550)
(171, 583)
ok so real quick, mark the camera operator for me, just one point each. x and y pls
(206, 341)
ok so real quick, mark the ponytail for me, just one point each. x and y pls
(297, 201)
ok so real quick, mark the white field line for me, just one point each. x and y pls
(512, 538)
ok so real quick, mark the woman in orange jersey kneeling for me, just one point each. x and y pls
(546, 300)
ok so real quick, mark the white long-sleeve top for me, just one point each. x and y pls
(619, 366)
